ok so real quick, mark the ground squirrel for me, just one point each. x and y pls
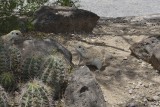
(12, 36)
(90, 56)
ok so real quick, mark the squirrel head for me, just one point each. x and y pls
(15, 35)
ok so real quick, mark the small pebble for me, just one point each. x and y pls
(130, 91)
(146, 85)
(156, 98)
(125, 58)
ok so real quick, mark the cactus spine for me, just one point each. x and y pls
(53, 73)
(35, 94)
(31, 67)
(4, 62)
(7, 80)
(15, 58)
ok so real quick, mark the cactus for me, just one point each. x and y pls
(3, 98)
(53, 73)
(7, 80)
(4, 60)
(35, 94)
(15, 58)
(10, 58)
(31, 67)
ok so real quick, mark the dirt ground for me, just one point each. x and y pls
(126, 80)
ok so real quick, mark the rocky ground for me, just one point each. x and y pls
(126, 80)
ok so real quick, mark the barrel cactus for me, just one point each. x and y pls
(36, 94)
(15, 58)
(54, 73)
(19, 73)
(7, 80)
(31, 67)
(4, 59)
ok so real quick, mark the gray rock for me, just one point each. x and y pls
(148, 50)
(44, 47)
(135, 103)
(156, 98)
(144, 49)
(83, 90)
(58, 19)
(155, 58)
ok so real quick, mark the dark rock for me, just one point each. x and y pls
(83, 90)
(148, 50)
(44, 47)
(155, 59)
(64, 20)
(144, 49)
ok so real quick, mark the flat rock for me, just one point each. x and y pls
(58, 19)
(83, 90)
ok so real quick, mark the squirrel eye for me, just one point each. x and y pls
(16, 33)
(79, 46)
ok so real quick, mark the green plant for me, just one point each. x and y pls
(7, 80)
(7, 7)
(10, 7)
(8, 23)
(10, 10)
(7, 20)
(36, 94)
(31, 6)
(69, 3)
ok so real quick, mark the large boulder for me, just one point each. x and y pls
(83, 90)
(148, 50)
(44, 47)
(58, 19)
(144, 49)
